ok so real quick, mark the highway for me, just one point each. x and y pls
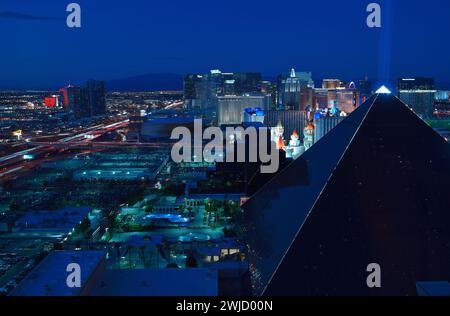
(23, 160)
(18, 154)
(87, 145)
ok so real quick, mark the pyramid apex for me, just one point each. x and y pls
(383, 90)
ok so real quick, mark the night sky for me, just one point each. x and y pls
(127, 38)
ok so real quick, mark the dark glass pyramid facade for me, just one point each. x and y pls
(374, 190)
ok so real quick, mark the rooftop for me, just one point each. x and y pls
(433, 288)
(62, 220)
(157, 282)
(49, 277)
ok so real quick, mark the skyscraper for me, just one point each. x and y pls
(74, 101)
(247, 82)
(201, 91)
(365, 88)
(229, 87)
(270, 88)
(190, 83)
(373, 190)
(290, 90)
(95, 97)
(417, 93)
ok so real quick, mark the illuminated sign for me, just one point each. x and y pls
(51, 102)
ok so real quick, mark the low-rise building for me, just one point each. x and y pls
(49, 277)
(158, 282)
(56, 223)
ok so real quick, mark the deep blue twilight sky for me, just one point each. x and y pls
(126, 38)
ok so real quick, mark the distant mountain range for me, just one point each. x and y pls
(148, 82)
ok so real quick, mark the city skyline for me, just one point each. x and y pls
(117, 41)
(246, 149)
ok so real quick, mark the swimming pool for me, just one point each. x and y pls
(194, 237)
(172, 218)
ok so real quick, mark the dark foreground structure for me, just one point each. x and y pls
(374, 190)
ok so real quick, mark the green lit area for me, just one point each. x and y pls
(443, 123)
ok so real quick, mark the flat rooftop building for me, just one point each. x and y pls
(157, 282)
(49, 278)
(123, 174)
(433, 288)
(58, 223)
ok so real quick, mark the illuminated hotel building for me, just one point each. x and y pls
(442, 104)
(294, 90)
(442, 95)
(270, 88)
(347, 98)
(325, 124)
(201, 92)
(85, 102)
(344, 97)
(321, 98)
(290, 120)
(231, 108)
(306, 98)
(365, 88)
(217, 83)
(253, 115)
(418, 93)
(291, 92)
(74, 101)
(95, 97)
(331, 83)
(51, 101)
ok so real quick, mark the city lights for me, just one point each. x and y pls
(229, 156)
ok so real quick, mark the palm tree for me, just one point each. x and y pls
(129, 249)
(142, 250)
(191, 262)
(117, 247)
